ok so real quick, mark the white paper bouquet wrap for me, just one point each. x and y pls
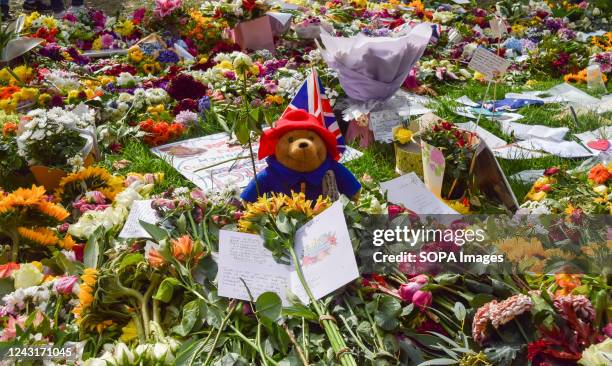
(374, 68)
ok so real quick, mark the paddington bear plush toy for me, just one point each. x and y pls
(302, 156)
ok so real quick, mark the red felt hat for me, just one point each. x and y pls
(297, 119)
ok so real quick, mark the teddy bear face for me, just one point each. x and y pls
(301, 150)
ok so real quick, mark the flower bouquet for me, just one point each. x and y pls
(55, 142)
(448, 158)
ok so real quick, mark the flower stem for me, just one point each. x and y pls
(230, 310)
(331, 328)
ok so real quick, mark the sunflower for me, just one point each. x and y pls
(296, 204)
(40, 235)
(23, 197)
(88, 179)
(86, 292)
(52, 210)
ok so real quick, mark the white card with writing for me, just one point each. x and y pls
(409, 191)
(382, 124)
(488, 63)
(324, 249)
(141, 210)
(326, 254)
(243, 257)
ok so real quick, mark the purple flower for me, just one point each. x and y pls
(186, 118)
(168, 56)
(204, 104)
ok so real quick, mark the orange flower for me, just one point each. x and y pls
(9, 129)
(155, 259)
(182, 247)
(567, 282)
(599, 174)
(8, 268)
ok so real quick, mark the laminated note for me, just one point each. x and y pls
(488, 63)
(409, 191)
(324, 250)
(141, 210)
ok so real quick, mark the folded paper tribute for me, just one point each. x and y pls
(374, 68)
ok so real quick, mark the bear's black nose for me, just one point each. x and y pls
(303, 145)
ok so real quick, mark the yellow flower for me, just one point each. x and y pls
(518, 249)
(458, 206)
(73, 96)
(225, 65)
(49, 22)
(67, 243)
(89, 179)
(89, 276)
(44, 98)
(52, 210)
(536, 196)
(97, 44)
(402, 135)
(125, 28)
(39, 235)
(148, 68)
(135, 54)
(129, 332)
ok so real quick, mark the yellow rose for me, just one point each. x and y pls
(536, 196)
(402, 135)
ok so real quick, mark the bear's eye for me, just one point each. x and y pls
(311, 138)
(291, 139)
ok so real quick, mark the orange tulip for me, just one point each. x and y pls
(182, 247)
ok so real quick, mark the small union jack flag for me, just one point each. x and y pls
(311, 98)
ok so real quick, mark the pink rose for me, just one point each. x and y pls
(422, 299)
(408, 290)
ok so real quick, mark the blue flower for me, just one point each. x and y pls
(168, 56)
(204, 104)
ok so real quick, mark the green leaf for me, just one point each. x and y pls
(130, 259)
(269, 306)
(6, 286)
(205, 270)
(459, 311)
(389, 309)
(166, 289)
(480, 299)
(241, 130)
(158, 234)
(191, 312)
(299, 311)
(91, 253)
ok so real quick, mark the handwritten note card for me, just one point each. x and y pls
(382, 124)
(323, 247)
(410, 191)
(141, 210)
(488, 63)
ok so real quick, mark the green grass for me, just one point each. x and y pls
(378, 161)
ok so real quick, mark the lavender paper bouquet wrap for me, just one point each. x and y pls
(374, 68)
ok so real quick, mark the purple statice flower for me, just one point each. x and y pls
(186, 118)
(204, 104)
(168, 56)
(553, 24)
(528, 45)
(566, 33)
